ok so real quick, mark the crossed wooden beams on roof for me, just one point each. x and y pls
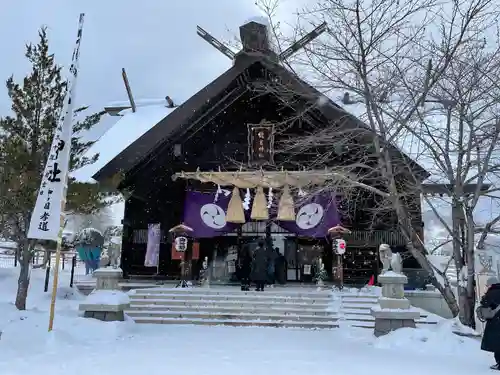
(251, 34)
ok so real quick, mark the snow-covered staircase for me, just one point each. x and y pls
(273, 308)
(353, 309)
(307, 308)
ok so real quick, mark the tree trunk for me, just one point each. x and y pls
(414, 243)
(444, 288)
(467, 313)
(470, 296)
(24, 276)
(416, 249)
(463, 253)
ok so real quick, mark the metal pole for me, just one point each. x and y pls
(73, 266)
(47, 277)
(341, 271)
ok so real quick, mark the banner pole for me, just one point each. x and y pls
(56, 272)
(67, 122)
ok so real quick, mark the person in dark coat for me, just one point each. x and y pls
(491, 336)
(245, 267)
(260, 264)
(273, 255)
(280, 268)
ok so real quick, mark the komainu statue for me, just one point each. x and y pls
(385, 254)
(397, 263)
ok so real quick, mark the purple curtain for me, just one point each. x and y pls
(206, 217)
(314, 216)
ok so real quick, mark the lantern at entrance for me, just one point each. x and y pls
(180, 234)
(340, 246)
(181, 243)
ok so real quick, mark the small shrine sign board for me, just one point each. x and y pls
(260, 144)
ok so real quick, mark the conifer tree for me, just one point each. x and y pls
(25, 140)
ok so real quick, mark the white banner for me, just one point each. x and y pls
(153, 245)
(48, 214)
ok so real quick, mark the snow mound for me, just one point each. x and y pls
(438, 340)
(27, 331)
(455, 326)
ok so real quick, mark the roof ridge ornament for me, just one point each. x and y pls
(255, 38)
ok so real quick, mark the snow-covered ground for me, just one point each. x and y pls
(83, 346)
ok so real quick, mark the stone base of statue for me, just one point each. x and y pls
(107, 278)
(107, 302)
(394, 310)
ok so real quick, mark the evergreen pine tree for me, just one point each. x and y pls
(25, 140)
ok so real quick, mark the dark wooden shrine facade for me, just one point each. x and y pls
(210, 131)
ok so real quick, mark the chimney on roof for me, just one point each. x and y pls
(254, 37)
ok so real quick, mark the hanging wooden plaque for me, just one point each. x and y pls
(260, 144)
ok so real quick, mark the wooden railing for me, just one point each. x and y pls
(356, 238)
(375, 238)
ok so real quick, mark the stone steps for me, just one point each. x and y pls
(230, 310)
(243, 298)
(271, 308)
(225, 303)
(238, 322)
(230, 306)
(172, 293)
(228, 291)
(214, 315)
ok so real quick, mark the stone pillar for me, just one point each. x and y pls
(394, 310)
(107, 302)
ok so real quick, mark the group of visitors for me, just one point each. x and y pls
(265, 265)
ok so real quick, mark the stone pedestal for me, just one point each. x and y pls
(107, 302)
(107, 278)
(394, 310)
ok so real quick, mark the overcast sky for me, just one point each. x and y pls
(154, 40)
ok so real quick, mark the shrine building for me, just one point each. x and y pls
(238, 124)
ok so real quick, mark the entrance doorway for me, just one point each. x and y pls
(360, 263)
(303, 257)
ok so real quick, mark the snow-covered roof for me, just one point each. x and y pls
(258, 19)
(130, 127)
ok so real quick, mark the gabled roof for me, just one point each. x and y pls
(158, 134)
(145, 144)
(130, 127)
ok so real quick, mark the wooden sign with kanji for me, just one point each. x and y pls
(260, 144)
